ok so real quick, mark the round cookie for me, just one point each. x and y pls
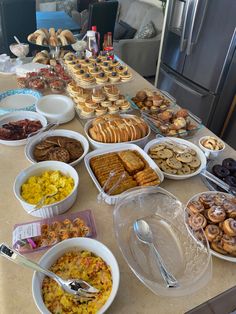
(185, 157)
(164, 153)
(174, 163)
(195, 163)
(184, 170)
(156, 148)
(165, 168)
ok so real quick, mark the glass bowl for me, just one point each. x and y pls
(186, 256)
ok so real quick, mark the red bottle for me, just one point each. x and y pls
(109, 46)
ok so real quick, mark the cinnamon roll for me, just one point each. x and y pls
(228, 243)
(207, 200)
(195, 207)
(219, 199)
(217, 246)
(197, 221)
(213, 233)
(230, 208)
(216, 214)
(229, 227)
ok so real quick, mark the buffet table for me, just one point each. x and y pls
(133, 297)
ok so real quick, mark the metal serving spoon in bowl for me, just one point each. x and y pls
(144, 234)
(76, 287)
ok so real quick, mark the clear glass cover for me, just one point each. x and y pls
(185, 256)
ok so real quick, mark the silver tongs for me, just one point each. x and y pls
(77, 287)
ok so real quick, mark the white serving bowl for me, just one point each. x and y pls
(54, 209)
(20, 115)
(58, 250)
(180, 141)
(210, 153)
(95, 144)
(56, 108)
(67, 133)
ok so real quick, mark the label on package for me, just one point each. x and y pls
(26, 231)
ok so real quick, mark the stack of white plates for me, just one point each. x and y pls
(23, 69)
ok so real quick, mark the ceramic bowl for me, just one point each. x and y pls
(58, 250)
(210, 153)
(54, 209)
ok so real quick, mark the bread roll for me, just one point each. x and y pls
(32, 37)
(41, 40)
(69, 36)
(62, 39)
(41, 58)
(59, 31)
(53, 41)
(52, 31)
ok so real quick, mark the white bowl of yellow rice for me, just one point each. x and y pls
(50, 298)
(31, 185)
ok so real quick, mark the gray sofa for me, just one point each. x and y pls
(140, 54)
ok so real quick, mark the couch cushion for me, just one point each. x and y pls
(136, 13)
(147, 31)
(155, 15)
(123, 31)
(123, 8)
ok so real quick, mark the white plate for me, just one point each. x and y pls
(20, 115)
(140, 142)
(56, 108)
(23, 69)
(18, 99)
(200, 155)
(111, 200)
(221, 256)
(71, 134)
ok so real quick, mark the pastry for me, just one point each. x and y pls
(207, 200)
(213, 233)
(230, 208)
(125, 76)
(87, 112)
(229, 227)
(216, 214)
(131, 161)
(228, 243)
(212, 143)
(197, 221)
(87, 79)
(99, 111)
(217, 246)
(195, 207)
(101, 78)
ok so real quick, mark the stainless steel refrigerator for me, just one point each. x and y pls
(199, 44)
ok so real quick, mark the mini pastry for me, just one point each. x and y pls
(196, 207)
(99, 111)
(114, 77)
(197, 221)
(108, 70)
(90, 103)
(105, 64)
(125, 106)
(212, 143)
(230, 208)
(228, 243)
(113, 109)
(217, 246)
(80, 73)
(98, 96)
(87, 112)
(216, 214)
(87, 79)
(106, 103)
(125, 76)
(207, 200)
(121, 69)
(219, 199)
(213, 233)
(229, 227)
(95, 71)
(115, 63)
(101, 78)
(80, 105)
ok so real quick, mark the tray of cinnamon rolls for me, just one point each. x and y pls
(215, 213)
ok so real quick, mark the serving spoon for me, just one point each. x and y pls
(76, 287)
(144, 234)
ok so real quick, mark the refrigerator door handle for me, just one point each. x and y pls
(190, 42)
(187, 88)
(185, 15)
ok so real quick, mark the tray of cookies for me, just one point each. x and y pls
(96, 71)
(41, 234)
(90, 103)
(215, 212)
(177, 158)
(148, 100)
(114, 129)
(174, 121)
(129, 165)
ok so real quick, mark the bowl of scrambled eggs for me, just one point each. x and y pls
(43, 179)
(97, 265)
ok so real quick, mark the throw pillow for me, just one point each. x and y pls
(124, 31)
(147, 31)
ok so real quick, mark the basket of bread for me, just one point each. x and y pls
(51, 37)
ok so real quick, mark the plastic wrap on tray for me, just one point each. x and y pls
(41, 234)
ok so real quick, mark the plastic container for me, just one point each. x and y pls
(111, 200)
(42, 234)
(185, 143)
(187, 258)
(140, 142)
(92, 46)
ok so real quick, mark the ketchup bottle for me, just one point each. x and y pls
(109, 46)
